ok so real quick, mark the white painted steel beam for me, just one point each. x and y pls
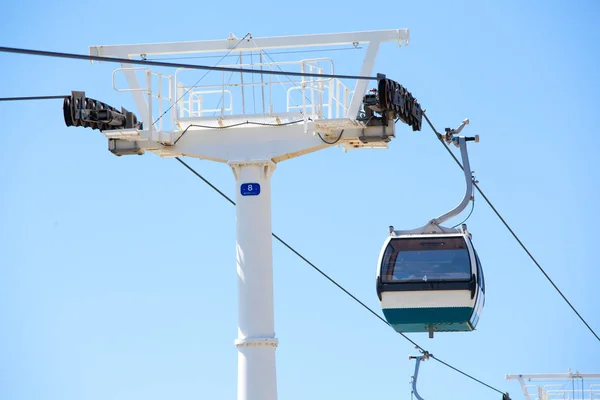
(524, 388)
(362, 85)
(207, 46)
(248, 143)
(276, 143)
(138, 95)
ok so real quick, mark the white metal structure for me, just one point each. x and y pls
(251, 143)
(570, 386)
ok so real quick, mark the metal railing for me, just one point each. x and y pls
(309, 96)
(305, 97)
(193, 106)
(148, 89)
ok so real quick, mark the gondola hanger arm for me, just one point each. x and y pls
(461, 142)
(434, 225)
(418, 360)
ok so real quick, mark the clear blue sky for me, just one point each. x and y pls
(117, 275)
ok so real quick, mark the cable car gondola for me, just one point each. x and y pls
(430, 279)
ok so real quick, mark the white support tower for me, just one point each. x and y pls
(184, 114)
(569, 386)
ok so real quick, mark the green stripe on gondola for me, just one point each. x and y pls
(419, 319)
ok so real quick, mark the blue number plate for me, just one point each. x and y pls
(250, 189)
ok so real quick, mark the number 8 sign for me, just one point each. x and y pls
(250, 189)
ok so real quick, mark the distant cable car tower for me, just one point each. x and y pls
(569, 386)
(183, 115)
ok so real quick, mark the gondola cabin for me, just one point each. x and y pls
(430, 282)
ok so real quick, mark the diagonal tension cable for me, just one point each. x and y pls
(370, 310)
(275, 52)
(198, 81)
(439, 136)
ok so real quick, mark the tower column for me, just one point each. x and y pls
(256, 342)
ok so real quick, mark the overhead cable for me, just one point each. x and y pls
(175, 65)
(32, 98)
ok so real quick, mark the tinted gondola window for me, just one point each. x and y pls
(426, 260)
